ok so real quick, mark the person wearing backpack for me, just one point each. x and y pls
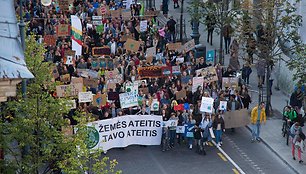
(296, 135)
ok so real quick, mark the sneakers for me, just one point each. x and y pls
(190, 146)
(218, 145)
(258, 139)
(301, 161)
(252, 140)
(221, 143)
(293, 158)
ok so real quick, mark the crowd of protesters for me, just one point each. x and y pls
(43, 21)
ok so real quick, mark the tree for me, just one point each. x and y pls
(219, 11)
(276, 32)
(32, 130)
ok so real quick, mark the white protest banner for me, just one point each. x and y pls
(155, 105)
(180, 129)
(128, 99)
(143, 25)
(124, 131)
(196, 82)
(207, 104)
(85, 97)
(223, 105)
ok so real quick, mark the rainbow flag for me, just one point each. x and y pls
(76, 35)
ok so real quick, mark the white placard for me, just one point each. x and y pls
(151, 52)
(155, 105)
(124, 131)
(207, 104)
(143, 25)
(180, 59)
(128, 99)
(180, 129)
(85, 97)
(69, 60)
(196, 82)
(170, 123)
(223, 105)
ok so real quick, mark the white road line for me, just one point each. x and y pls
(229, 158)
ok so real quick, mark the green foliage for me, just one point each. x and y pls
(36, 125)
(298, 64)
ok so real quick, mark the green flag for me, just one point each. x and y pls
(142, 10)
(100, 29)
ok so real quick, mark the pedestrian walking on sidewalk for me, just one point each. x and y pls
(297, 141)
(210, 24)
(258, 115)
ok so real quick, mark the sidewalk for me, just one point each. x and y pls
(271, 132)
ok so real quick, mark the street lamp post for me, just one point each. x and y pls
(181, 20)
(195, 26)
(22, 39)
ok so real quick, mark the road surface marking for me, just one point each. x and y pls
(229, 158)
(236, 171)
(222, 157)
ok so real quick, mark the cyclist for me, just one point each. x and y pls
(290, 115)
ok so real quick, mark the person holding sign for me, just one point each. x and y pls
(172, 129)
(165, 132)
(189, 130)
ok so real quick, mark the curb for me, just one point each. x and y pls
(269, 147)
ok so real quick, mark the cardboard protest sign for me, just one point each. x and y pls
(190, 45)
(143, 25)
(93, 83)
(100, 51)
(196, 82)
(64, 5)
(151, 52)
(111, 86)
(174, 46)
(85, 97)
(86, 73)
(151, 71)
(69, 90)
(152, 13)
(126, 14)
(76, 80)
(207, 104)
(144, 90)
(113, 76)
(237, 118)
(180, 94)
(63, 30)
(65, 78)
(223, 105)
(55, 72)
(209, 74)
(176, 70)
(128, 99)
(230, 82)
(99, 100)
(49, 40)
(155, 105)
(132, 45)
(115, 13)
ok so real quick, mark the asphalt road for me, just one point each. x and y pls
(252, 158)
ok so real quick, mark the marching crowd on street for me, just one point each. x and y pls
(186, 110)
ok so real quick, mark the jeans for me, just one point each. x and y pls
(218, 134)
(227, 41)
(172, 134)
(256, 130)
(190, 140)
(165, 139)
